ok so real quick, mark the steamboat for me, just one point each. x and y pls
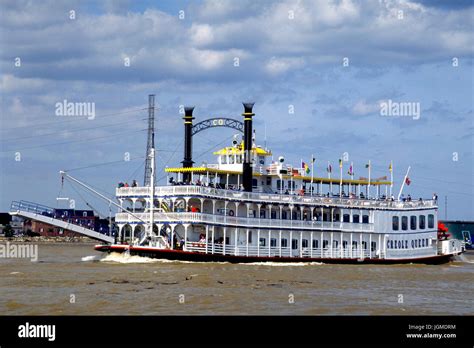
(249, 208)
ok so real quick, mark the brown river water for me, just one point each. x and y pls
(72, 279)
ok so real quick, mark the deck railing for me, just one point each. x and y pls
(234, 221)
(269, 198)
(265, 251)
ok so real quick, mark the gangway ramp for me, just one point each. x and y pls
(45, 214)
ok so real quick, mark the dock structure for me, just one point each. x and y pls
(45, 214)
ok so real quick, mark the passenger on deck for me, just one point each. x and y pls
(126, 185)
(120, 184)
(134, 183)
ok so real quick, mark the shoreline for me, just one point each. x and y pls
(49, 240)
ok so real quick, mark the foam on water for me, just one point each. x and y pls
(126, 258)
(90, 258)
(463, 258)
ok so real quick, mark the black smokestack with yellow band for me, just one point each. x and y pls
(247, 172)
(188, 142)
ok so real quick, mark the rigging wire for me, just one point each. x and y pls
(75, 141)
(102, 164)
(73, 119)
(64, 132)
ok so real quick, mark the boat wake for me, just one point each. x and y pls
(90, 258)
(126, 258)
(463, 258)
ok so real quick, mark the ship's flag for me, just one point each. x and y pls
(351, 171)
(407, 181)
(313, 159)
(329, 168)
(390, 167)
(367, 165)
(305, 167)
(340, 163)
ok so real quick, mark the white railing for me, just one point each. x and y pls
(269, 198)
(265, 251)
(244, 222)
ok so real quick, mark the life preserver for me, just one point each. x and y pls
(231, 213)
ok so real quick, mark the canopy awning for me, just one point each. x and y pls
(307, 179)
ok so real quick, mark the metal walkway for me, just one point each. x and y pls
(45, 214)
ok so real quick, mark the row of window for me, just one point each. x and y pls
(403, 244)
(421, 219)
(315, 244)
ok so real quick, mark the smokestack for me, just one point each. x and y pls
(247, 172)
(188, 141)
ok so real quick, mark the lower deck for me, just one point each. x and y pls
(183, 255)
(290, 243)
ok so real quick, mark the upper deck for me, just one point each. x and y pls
(271, 198)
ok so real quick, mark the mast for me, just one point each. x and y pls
(149, 168)
(152, 190)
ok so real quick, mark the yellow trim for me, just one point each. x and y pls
(204, 170)
(248, 114)
(248, 119)
(188, 122)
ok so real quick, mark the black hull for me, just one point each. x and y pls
(180, 255)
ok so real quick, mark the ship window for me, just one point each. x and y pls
(423, 242)
(365, 219)
(344, 244)
(419, 243)
(355, 218)
(430, 221)
(263, 242)
(335, 243)
(254, 182)
(346, 218)
(395, 222)
(273, 242)
(404, 223)
(250, 237)
(412, 222)
(305, 243)
(227, 240)
(422, 222)
(294, 244)
(279, 184)
(354, 245)
(394, 244)
(315, 243)
(406, 244)
(364, 245)
(426, 242)
(283, 215)
(391, 244)
(284, 242)
(388, 244)
(373, 246)
(416, 243)
(325, 244)
(84, 213)
(412, 243)
(274, 215)
(400, 245)
(269, 180)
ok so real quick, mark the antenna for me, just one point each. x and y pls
(149, 171)
(446, 208)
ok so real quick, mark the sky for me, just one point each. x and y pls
(319, 73)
